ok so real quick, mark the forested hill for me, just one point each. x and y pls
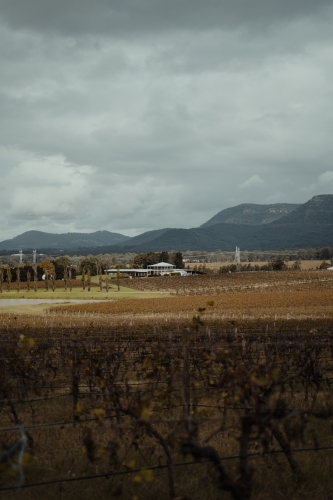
(318, 210)
(250, 213)
(40, 240)
(304, 226)
(228, 236)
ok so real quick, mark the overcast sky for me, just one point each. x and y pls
(141, 114)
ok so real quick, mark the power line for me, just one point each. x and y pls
(107, 475)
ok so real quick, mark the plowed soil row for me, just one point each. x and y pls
(256, 304)
(234, 282)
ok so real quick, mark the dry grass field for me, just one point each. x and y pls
(216, 386)
(305, 264)
(212, 284)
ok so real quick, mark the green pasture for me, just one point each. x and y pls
(80, 294)
(33, 310)
(62, 294)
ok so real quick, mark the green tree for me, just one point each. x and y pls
(278, 264)
(142, 260)
(60, 264)
(47, 266)
(177, 260)
(324, 265)
(139, 261)
(89, 262)
(164, 257)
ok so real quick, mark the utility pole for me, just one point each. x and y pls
(237, 255)
(237, 258)
(118, 276)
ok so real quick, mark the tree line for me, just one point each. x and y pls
(143, 260)
(57, 269)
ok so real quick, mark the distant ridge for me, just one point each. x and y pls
(318, 210)
(307, 225)
(250, 213)
(228, 236)
(40, 240)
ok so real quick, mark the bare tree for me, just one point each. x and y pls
(35, 277)
(88, 279)
(83, 278)
(1, 278)
(118, 276)
(65, 277)
(70, 277)
(18, 279)
(8, 278)
(100, 278)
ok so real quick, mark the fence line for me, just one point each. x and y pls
(107, 475)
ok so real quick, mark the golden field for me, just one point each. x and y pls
(215, 386)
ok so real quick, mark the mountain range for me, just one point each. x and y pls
(40, 240)
(249, 226)
(252, 214)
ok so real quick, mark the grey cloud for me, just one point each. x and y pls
(132, 17)
(145, 114)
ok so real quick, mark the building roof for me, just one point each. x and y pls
(124, 270)
(161, 264)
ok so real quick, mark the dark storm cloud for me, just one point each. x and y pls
(131, 17)
(141, 114)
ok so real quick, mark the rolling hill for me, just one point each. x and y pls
(318, 210)
(228, 236)
(40, 240)
(250, 213)
(293, 226)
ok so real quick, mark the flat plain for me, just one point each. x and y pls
(204, 386)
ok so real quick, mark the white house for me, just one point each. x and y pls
(160, 268)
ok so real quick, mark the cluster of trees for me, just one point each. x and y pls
(56, 269)
(142, 260)
(323, 253)
(276, 264)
